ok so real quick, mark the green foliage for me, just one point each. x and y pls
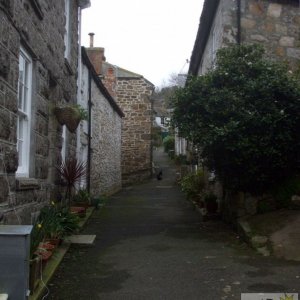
(68, 221)
(283, 192)
(193, 184)
(210, 197)
(71, 171)
(157, 137)
(82, 195)
(244, 115)
(81, 112)
(169, 143)
(264, 207)
(37, 235)
(180, 159)
(57, 222)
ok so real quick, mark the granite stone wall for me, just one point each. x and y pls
(39, 28)
(276, 25)
(133, 96)
(105, 142)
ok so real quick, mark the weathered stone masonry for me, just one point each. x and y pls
(106, 133)
(38, 27)
(132, 93)
(275, 24)
(133, 96)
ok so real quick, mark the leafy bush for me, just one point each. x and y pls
(169, 143)
(284, 192)
(244, 115)
(180, 159)
(193, 184)
(210, 197)
(82, 195)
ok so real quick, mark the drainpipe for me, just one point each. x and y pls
(88, 177)
(238, 37)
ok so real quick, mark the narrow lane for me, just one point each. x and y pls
(151, 244)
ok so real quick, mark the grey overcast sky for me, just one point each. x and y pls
(152, 38)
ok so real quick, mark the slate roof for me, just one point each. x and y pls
(206, 21)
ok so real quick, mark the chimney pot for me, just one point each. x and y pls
(91, 34)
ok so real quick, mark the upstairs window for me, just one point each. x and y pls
(24, 112)
(67, 37)
(64, 142)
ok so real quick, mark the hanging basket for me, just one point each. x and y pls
(59, 114)
(72, 118)
(68, 116)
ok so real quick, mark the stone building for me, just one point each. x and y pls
(38, 71)
(133, 93)
(103, 148)
(274, 24)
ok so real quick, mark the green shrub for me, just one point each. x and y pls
(244, 115)
(210, 197)
(180, 159)
(82, 195)
(193, 184)
(283, 192)
(169, 143)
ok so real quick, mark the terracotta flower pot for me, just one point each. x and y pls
(79, 211)
(54, 241)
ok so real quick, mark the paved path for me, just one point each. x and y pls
(151, 244)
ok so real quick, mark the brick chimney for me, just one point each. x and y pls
(96, 55)
(110, 80)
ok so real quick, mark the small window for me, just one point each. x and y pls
(67, 37)
(64, 142)
(24, 112)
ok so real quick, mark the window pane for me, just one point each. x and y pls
(20, 96)
(24, 105)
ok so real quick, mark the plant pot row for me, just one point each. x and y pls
(38, 262)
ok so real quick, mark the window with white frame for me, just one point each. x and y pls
(67, 37)
(64, 142)
(24, 112)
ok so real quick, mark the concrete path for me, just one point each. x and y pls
(151, 244)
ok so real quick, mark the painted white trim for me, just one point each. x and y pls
(24, 114)
(64, 142)
(67, 36)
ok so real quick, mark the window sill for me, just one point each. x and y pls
(23, 183)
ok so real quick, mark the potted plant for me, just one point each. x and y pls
(71, 172)
(82, 198)
(70, 116)
(36, 237)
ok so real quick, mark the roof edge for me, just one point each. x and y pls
(111, 100)
(205, 24)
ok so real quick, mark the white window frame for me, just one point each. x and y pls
(64, 143)
(24, 113)
(67, 37)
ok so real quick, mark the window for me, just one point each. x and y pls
(24, 112)
(67, 37)
(64, 142)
